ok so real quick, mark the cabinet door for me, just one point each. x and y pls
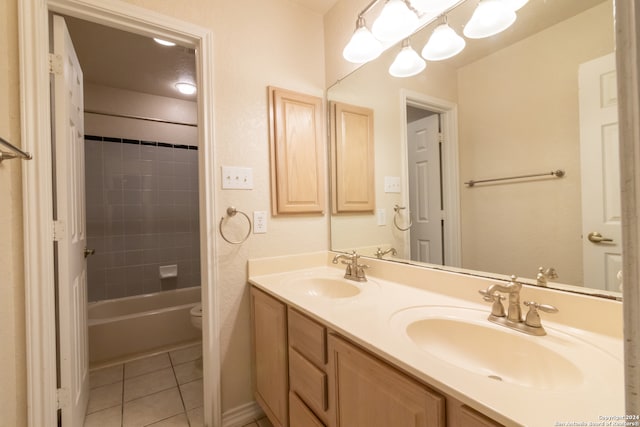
(366, 392)
(271, 386)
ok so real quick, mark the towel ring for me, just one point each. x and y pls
(397, 210)
(231, 211)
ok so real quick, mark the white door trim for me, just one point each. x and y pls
(37, 188)
(450, 180)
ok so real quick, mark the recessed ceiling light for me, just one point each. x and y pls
(186, 88)
(163, 42)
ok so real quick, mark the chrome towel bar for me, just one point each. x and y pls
(231, 212)
(17, 153)
(557, 173)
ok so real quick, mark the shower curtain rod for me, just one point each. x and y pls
(148, 119)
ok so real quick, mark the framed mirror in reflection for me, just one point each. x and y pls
(501, 160)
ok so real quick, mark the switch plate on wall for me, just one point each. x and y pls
(235, 177)
(259, 222)
(391, 184)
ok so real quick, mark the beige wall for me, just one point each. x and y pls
(12, 338)
(257, 43)
(518, 111)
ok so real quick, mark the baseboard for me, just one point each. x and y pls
(242, 415)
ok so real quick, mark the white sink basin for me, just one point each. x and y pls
(325, 287)
(466, 339)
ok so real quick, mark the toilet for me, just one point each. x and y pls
(196, 316)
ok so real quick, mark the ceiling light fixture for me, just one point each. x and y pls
(163, 42)
(186, 88)
(444, 43)
(395, 21)
(490, 17)
(363, 46)
(407, 63)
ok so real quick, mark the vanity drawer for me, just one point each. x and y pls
(300, 415)
(308, 382)
(308, 337)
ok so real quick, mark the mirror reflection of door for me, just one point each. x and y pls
(425, 186)
(600, 164)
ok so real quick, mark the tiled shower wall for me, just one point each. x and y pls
(142, 213)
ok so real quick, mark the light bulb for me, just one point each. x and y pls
(407, 63)
(443, 43)
(363, 46)
(395, 21)
(489, 18)
(186, 88)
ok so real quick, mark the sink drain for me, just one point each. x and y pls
(495, 377)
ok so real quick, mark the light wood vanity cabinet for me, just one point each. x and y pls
(271, 386)
(368, 392)
(308, 376)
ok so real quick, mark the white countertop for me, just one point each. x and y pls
(377, 316)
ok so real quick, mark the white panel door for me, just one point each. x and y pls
(600, 163)
(70, 227)
(424, 189)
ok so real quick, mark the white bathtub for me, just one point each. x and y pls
(127, 327)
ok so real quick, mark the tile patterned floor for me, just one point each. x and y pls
(164, 390)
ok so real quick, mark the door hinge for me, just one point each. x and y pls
(58, 231)
(55, 63)
(440, 137)
(62, 396)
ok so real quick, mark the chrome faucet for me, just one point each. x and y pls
(354, 270)
(531, 324)
(379, 254)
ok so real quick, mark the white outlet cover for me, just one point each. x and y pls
(259, 222)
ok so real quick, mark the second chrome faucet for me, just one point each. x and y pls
(354, 270)
(531, 323)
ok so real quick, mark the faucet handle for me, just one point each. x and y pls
(497, 309)
(533, 317)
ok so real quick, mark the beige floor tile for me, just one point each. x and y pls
(104, 376)
(104, 397)
(146, 365)
(192, 394)
(111, 417)
(186, 354)
(176, 421)
(188, 372)
(153, 408)
(196, 417)
(264, 422)
(150, 383)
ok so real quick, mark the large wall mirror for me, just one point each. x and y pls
(535, 99)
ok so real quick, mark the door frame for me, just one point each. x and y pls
(450, 180)
(35, 110)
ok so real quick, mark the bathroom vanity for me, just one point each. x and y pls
(413, 347)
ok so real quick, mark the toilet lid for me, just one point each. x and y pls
(197, 310)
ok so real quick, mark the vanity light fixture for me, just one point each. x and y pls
(395, 21)
(186, 88)
(407, 63)
(489, 18)
(444, 43)
(163, 42)
(363, 46)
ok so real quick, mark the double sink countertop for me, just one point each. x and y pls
(433, 325)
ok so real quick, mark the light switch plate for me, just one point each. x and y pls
(259, 222)
(235, 177)
(391, 184)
